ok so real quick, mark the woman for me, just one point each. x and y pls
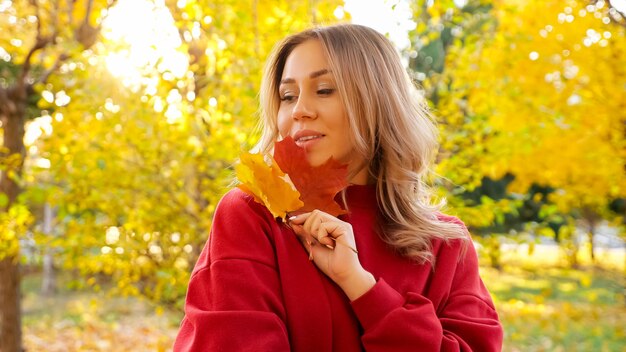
(393, 274)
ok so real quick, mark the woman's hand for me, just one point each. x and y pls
(331, 245)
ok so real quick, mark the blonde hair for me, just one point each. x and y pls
(392, 129)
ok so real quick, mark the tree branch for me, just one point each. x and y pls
(70, 11)
(44, 77)
(40, 43)
(55, 19)
(617, 17)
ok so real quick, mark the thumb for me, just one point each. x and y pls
(298, 229)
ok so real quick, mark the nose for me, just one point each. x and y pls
(304, 108)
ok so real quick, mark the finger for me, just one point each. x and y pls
(299, 230)
(324, 227)
(302, 235)
(334, 229)
(307, 244)
(323, 235)
(312, 224)
(336, 233)
(299, 219)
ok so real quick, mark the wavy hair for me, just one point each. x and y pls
(392, 130)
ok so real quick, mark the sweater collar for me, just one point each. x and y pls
(360, 196)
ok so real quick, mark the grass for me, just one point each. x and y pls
(93, 321)
(559, 309)
(543, 306)
(546, 306)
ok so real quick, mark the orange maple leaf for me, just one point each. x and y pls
(267, 184)
(318, 185)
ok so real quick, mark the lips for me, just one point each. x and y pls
(304, 136)
(308, 138)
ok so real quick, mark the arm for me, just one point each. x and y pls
(465, 320)
(233, 301)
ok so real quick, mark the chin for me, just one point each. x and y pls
(316, 159)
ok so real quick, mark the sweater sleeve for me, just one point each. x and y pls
(465, 319)
(233, 300)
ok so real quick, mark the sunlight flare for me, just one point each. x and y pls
(135, 51)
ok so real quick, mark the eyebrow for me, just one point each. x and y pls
(312, 75)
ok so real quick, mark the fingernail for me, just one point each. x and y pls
(329, 246)
(292, 218)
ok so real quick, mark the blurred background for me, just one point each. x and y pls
(121, 120)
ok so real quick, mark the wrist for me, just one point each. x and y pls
(358, 284)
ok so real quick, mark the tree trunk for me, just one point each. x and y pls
(570, 246)
(494, 251)
(13, 102)
(12, 115)
(48, 285)
(10, 319)
(590, 234)
(592, 219)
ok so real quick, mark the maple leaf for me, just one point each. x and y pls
(267, 184)
(318, 185)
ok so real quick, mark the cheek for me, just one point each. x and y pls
(345, 144)
(283, 122)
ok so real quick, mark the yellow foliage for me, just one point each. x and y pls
(13, 223)
(152, 158)
(268, 184)
(543, 99)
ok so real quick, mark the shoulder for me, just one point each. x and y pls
(235, 198)
(451, 219)
(457, 246)
(457, 233)
(238, 216)
(241, 229)
(239, 203)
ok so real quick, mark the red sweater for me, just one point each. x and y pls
(254, 289)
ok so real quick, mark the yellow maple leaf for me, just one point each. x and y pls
(267, 184)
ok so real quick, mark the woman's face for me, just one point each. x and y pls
(311, 110)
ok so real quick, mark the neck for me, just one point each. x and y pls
(361, 177)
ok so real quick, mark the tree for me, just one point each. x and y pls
(136, 167)
(442, 27)
(38, 37)
(540, 96)
(136, 210)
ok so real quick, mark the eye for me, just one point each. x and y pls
(287, 97)
(325, 91)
